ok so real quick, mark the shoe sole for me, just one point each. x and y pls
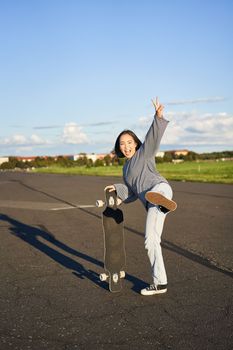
(158, 199)
(154, 292)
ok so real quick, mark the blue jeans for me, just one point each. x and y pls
(154, 227)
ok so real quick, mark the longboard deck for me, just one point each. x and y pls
(114, 244)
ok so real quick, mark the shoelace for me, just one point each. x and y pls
(152, 287)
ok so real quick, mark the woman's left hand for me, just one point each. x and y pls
(111, 188)
(158, 107)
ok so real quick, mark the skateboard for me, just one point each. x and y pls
(114, 243)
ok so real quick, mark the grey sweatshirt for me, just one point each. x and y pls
(139, 172)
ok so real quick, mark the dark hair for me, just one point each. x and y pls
(117, 143)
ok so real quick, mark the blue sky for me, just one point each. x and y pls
(74, 73)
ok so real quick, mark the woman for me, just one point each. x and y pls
(143, 181)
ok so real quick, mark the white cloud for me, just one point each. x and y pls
(193, 129)
(22, 140)
(197, 100)
(37, 140)
(20, 144)
(73, 134)
(15, 140)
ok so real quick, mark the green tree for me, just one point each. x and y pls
(99, 162)
(89, 163)
(191, 156)
(159, 160)
(81, 161)
(107, 160)
(168, 156)
(64, 161)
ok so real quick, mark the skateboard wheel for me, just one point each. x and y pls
(111, 201)
(118, 201)
(99, 203)
(122, 274)
(115, 277)
(103, 276)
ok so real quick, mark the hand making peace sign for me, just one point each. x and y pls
(158, 107)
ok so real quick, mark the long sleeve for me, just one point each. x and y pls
(125, 194)
(153, 137)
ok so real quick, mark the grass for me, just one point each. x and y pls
(203, 171)
(211, 171)
(83, 170)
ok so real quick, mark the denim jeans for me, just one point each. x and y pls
(154, 227)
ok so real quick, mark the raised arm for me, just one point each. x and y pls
(155, 132)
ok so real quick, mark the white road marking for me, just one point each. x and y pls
(31, 205)
(76, 207)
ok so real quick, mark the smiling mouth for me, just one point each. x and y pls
(127, 153)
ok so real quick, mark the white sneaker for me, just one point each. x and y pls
(153, 289)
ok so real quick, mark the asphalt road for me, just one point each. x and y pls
(52, 254)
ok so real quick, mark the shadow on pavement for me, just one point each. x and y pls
(196, 257)
(32, 236)
(202, 260)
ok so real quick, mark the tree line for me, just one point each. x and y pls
(62, 161)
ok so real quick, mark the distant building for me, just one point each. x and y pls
(176, 161)
(160, 154)
(32, 158)
(182, 152)
(26, 159)
(92, 156)
(4, 160)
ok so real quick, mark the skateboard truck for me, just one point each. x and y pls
(111, 203)
(104, 276)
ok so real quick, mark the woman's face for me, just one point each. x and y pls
(127, 145)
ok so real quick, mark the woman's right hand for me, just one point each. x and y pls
(111, 188)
